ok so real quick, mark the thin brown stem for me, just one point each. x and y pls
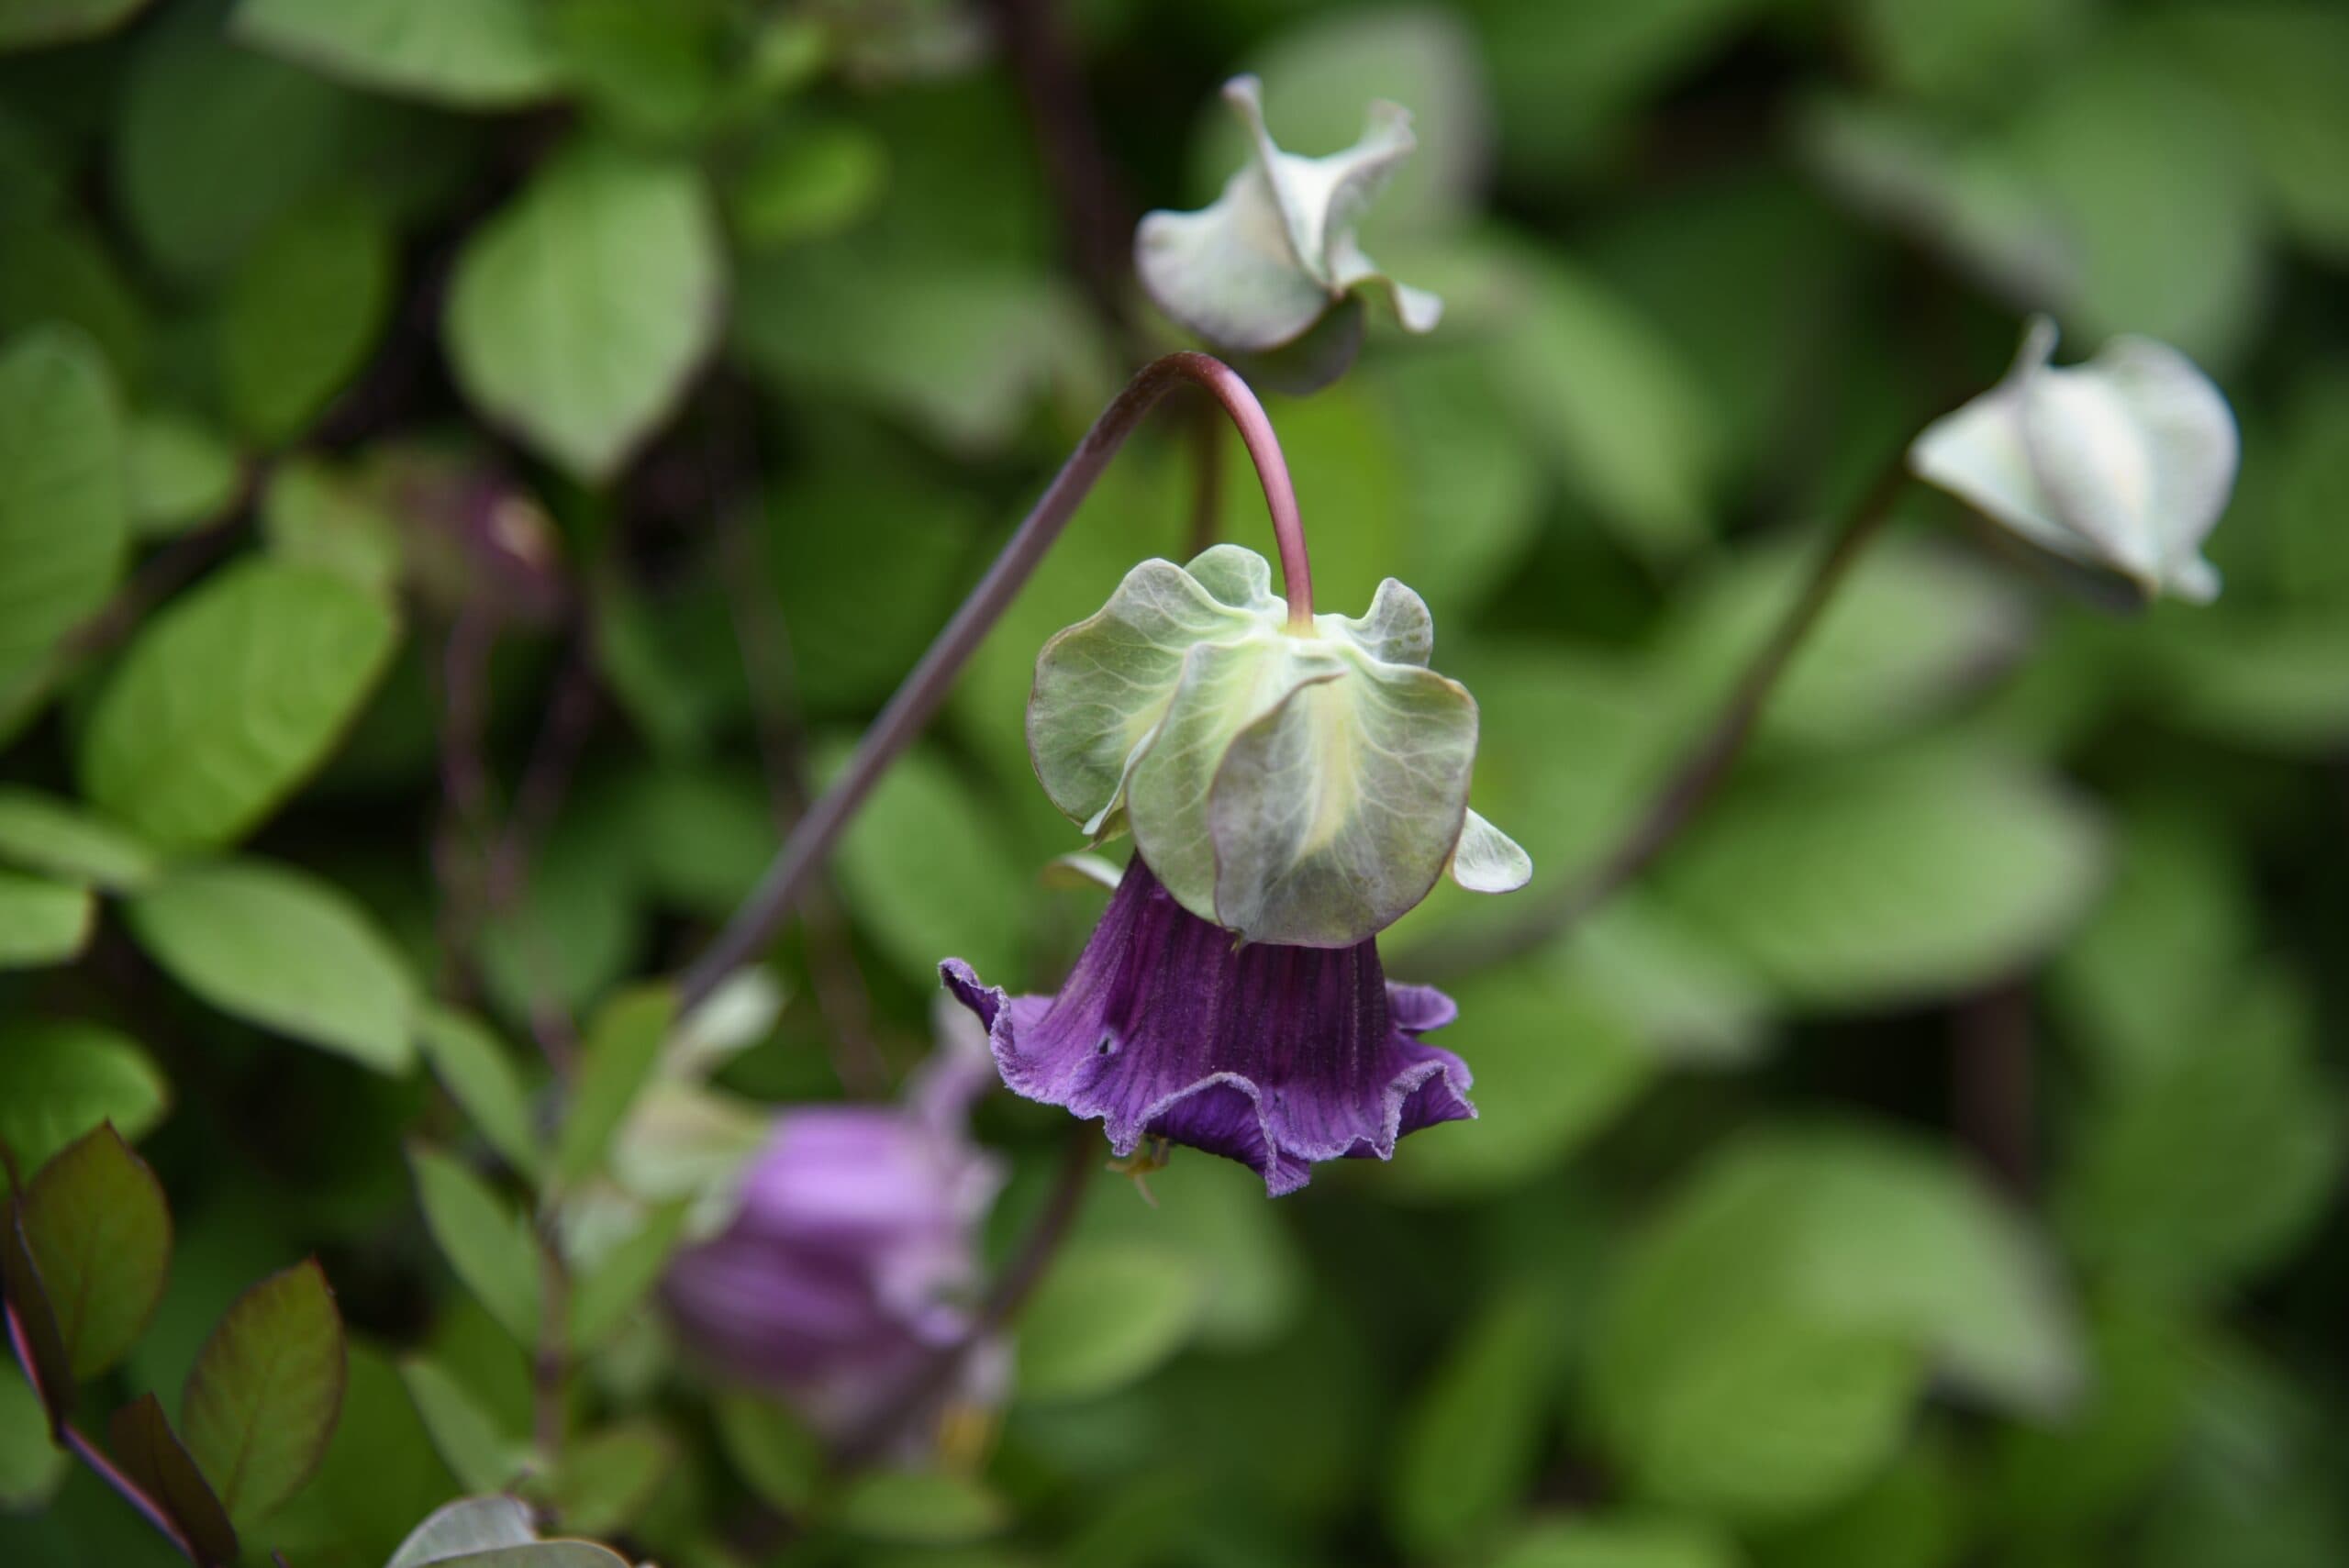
(763, 640)
(918, 696)
(1991, 1072)
(1080, 1159)
(549, 1363)
(1700, 773)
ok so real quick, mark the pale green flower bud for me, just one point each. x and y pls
(2121, 465)
(1304, 786)
(1277, 250)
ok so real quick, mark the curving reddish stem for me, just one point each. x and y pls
(918, 696)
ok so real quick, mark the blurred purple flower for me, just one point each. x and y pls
(846, 1266)
(1273, 1056)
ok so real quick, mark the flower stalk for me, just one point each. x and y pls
(918, 697)
(1700, 773)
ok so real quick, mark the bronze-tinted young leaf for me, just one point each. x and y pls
(152, 1455)
(266, 1390)
(617, 1063)
(32, 1326)
(101, 1234)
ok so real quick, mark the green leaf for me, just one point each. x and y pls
(578, 314)
(213, 142)
(302, 313)
(1467, 1446)
(263, 1399)
(278, 948)
(615, 1065)
(2158, 200)
(1912, 628)
(2209, 1167)
(808, 182)
(380, 1474)
(154, 1455)
(1914, 1515)
(1763, 1340)
(485, 1240)
(37, 24)
(62, 839)
(2279, 66)
(478, 1071)
(1599, 390)
(316, 515)
(780, 1458)
(1634, 1542)
(64, 506)
(1927, 48)
(607, 1478)
(30, 1466)
(926, 870)
(100, 1232)
(62, 1078)
(469, 54)
(927, 1508)
(2171, 938)
(182, 472)
(1887, 876)
(605, 1297)
(1105, 1315)
(1212, 1212)
(963, 349)
(42, 922)
(1554, 1063)
(479, 1453)
(229, 698)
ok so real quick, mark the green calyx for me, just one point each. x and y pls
(1305, 788)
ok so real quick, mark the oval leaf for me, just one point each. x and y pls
(468, 53)
(229, 698)
(579, 313)
(98, 1226)
(1103, 1317)
(64, 507)
(63, 839)
(488, 1244)
(283, 950)
(41, 922)
(59, 1080)
(266, 1391)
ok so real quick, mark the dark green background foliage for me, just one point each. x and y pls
(468, 469)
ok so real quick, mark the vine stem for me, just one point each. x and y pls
(918, 696)
(73, 1440)
(1700, 773)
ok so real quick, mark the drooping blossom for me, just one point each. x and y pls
(1273, 1056)
(850, 1260)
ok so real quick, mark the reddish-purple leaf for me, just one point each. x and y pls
(101, 1235)
(151, 1456)
(266, 1390)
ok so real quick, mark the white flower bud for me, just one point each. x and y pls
(2121, 464)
